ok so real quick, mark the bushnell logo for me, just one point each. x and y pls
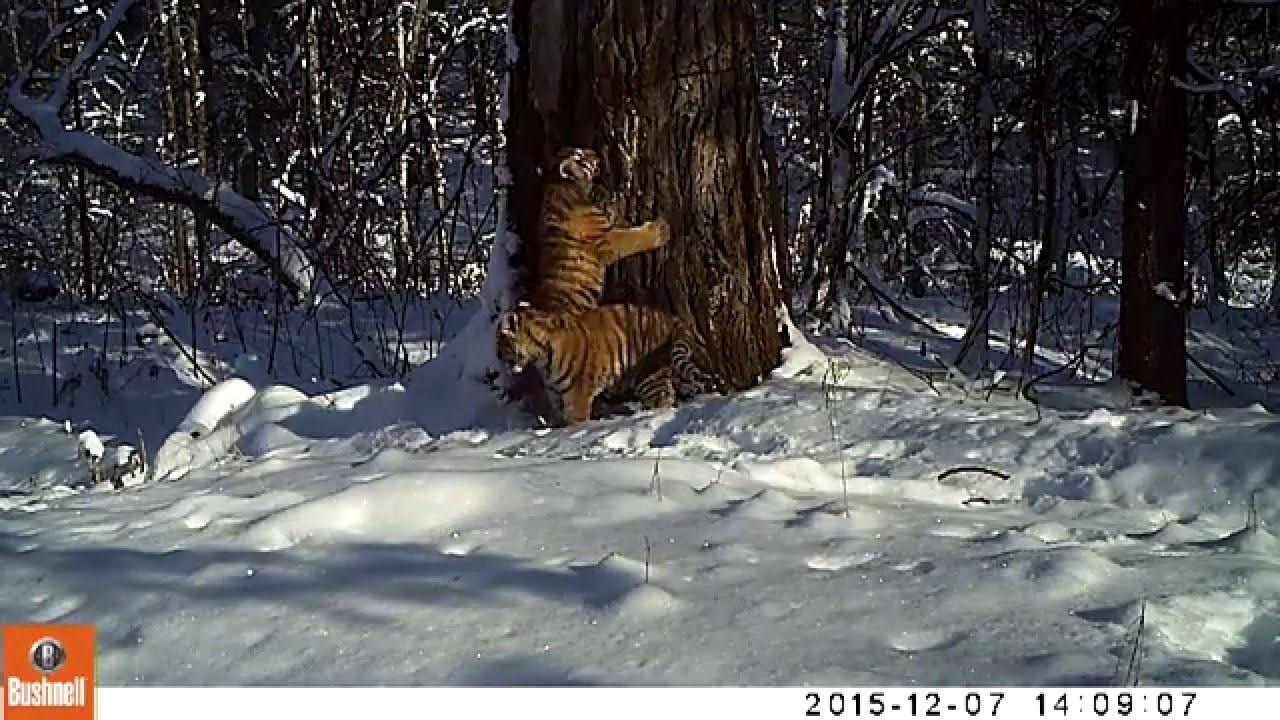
(47, 655)
(48, 672)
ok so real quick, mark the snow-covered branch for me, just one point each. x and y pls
(242, 219)
(1208, 82)
(926, 197)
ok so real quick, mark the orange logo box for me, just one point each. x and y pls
(48, 672)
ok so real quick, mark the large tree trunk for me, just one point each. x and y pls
(1153, 296)
(666, 91)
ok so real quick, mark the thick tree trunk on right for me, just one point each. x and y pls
(1153, 290)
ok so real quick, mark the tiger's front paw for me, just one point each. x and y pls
(661, 231)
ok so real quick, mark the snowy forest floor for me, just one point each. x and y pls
(798, 533)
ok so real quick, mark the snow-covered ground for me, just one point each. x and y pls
(805, 532)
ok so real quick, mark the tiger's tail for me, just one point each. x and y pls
(690, 378)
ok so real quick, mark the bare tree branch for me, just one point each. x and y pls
(244, 220)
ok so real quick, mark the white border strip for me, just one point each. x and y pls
(672, 703)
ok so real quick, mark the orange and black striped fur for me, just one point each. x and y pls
(577, 239)
(582, 354)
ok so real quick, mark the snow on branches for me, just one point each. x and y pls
(240, 218)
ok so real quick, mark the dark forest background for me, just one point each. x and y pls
(1033, 189)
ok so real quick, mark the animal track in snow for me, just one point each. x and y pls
(922, 640)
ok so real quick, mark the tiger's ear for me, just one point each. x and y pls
(566, 169)
(509, 324)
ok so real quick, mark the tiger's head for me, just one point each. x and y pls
(577, 165)
(520, 333)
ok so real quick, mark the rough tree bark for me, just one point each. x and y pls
(667, 92)
(1153, 295)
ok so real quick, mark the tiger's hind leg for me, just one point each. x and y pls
(620, 243)
(656, 390)
(690, 379)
